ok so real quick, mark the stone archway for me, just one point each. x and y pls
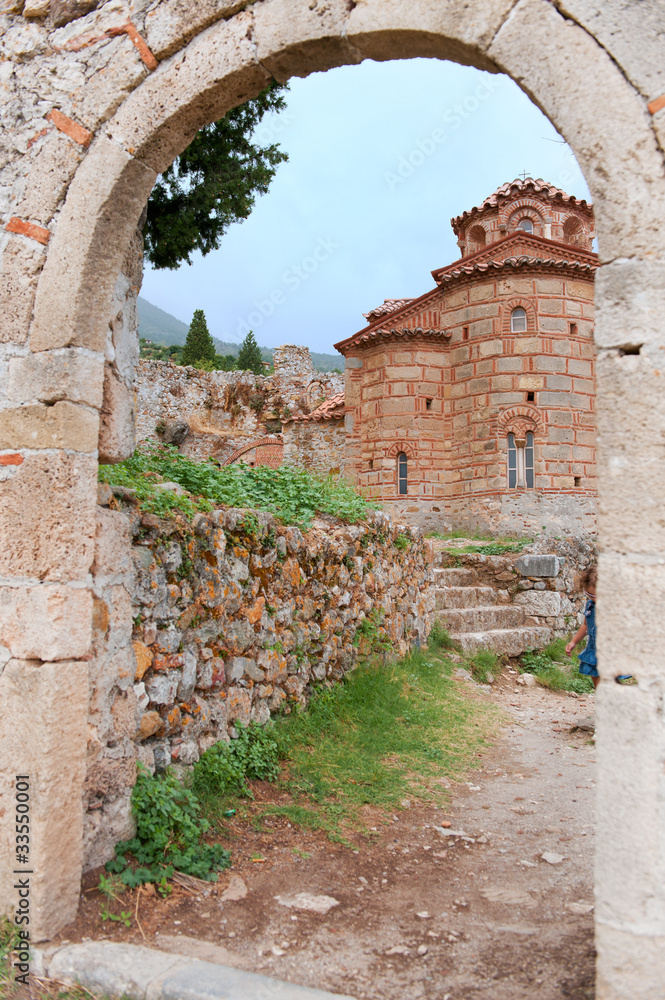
(598, 76)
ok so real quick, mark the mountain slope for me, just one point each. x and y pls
(162, 328)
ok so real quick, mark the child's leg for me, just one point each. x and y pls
(596, 682)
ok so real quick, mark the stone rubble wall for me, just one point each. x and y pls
(224, 411)
(554, 601)
(291, 361)
(234, 617)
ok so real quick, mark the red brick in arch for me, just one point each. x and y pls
(269, 451)
(507, 311)
(518, 420)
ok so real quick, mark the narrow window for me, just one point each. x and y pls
(573, 329)
(518, 320)
(528, 461)
(428, 404)
(526, 225)
(578, 480)
(371, 465)
(402, 474)
(521, 463)
(531, 397)
(512, 462)
(465, 333)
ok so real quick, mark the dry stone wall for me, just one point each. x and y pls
(234, 617)
(319, 445)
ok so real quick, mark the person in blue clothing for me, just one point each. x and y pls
(587, 658)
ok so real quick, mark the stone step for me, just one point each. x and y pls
(510, 641)
(483, 618)
(453, 577)
(464, 597)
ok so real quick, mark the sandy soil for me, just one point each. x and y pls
(421, 913)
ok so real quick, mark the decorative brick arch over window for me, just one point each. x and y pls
(509, 307)
(525, 209)
(404, 455)
(573, 230)
(269, 451)
(518, 420)
(476, 238)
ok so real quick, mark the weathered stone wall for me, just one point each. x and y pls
(568, 512)
(224, 411)
(235, 616)
(319, 445)
(290, 361)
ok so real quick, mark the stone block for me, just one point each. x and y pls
(49, 174)
(539, 565)
(52, 498)
(56, 375)
(540, 603)
(385, 29)
(43, 732)
(117, 438)
(112, 543)
(104, 202)
(630, 303)
(297, 40)
(173, 23)
(162, 688)
(63, 425)
(20, 266)
(624, 648)
(561, 62)
(47, 622)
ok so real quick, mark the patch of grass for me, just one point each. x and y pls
(294, 496)
(385, 733)
(494, 548)
(554, 669)
(482, 663)
(439, 638)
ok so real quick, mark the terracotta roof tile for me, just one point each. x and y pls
(388, 306)
(579, 267)
(330, 409)
(376, 334)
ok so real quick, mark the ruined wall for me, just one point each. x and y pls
(234, 616)
(224, 411)
(290, 361)
(318, 445)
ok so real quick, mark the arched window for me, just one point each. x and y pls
(518, 320)
(521, 463)
(526, 225)
(402, 474)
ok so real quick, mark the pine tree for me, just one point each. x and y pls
(212, 184)
(249, 356)
(199, 345)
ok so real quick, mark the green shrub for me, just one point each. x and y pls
(482, 663)
(225, 767)
(169, 827)
(439, 638)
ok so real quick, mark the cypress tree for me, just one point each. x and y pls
(249, 356)
(199, 345)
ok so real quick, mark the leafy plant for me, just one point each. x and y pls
(169, 827)
(439, 638)
(292, 495)
(226, 767)
(374, 632)
(553, 668)
(482, 663)
(402, 542)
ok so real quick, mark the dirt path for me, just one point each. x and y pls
(420, 913)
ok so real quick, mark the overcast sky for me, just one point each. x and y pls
(381, 156)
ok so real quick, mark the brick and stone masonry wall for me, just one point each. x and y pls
(234, 616)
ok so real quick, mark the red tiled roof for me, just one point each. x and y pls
(375, 334)
(526, 245)
(514, 263)
(330, 409)
(389, 306)
(522, 186)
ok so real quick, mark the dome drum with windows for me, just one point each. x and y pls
(475, 402)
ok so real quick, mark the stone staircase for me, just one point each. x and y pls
(479, 617)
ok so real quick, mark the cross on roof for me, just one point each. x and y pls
(524, 175)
